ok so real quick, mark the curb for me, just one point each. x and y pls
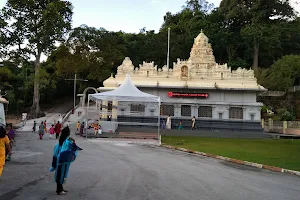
(240, 162)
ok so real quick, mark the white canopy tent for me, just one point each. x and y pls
(127, 92)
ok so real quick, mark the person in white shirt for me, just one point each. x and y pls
(193, 123)
(169, 123)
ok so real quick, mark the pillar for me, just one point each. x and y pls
(284, 127)
(114, 116)
(104, 110)
(270, 124)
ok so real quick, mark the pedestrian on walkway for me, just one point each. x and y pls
(169, 123)
(180, 127)
(11, 136)
(57, 129)
(81, 129)
(193, 123)
(34, 127)
(4, 146)
(65, 153)
(51, 131)
(78, 127)
(41, 130)
(45, 126)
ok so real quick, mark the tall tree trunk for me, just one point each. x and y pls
(35, 109)
(255, 54)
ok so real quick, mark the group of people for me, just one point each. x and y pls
(65, 152)
(54, 129)
(88, 126)
(168, 123)
(7, 139)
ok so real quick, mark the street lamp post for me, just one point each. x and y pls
(168, 54)
(75, 81)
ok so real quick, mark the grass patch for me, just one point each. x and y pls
(279, 153)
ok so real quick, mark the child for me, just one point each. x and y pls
(180, 125)
(45, 126)
(11, 136)
(77, 127)
(51, 131)
(96, 128)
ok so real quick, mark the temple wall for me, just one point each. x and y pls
(2, 114)
(219, 101)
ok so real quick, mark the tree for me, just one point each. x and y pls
(284, 72)
(256, 19)
(35, 27)
(199, 6)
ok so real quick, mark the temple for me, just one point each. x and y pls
(2, 110)
(195, 87)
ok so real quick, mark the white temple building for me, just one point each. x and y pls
(2, 110)
(195, 87)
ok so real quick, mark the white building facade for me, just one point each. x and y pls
(195, 87)
(2, 110)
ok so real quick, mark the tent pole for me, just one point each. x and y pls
(158, 127)
(87, 113)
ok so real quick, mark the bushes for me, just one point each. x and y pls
(281, 114)
(287, 116)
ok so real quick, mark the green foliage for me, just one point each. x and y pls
(284, 72)
(287, 116)
(41, 23)
(264, 108)
(280, 111)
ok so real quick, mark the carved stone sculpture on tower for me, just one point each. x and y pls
(202, 51)
(126, 67)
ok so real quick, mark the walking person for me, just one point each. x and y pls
(57, 129)
(163, 124)
(169, 123)
(78, 127)
(51, 131)
(65, 153)
(45, 126)
(41, 130)
(180, 127)
(4, 148)
(81, 129)
(34, 127)
(193, 123)
(11, 136)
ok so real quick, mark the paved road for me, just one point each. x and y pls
(109, 170)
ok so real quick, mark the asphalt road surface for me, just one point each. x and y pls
(111, 170)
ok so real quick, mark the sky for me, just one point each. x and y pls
(126, 15)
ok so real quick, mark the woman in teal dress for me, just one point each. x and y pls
(65, 153)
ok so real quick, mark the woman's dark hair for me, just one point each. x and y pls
(64, 134)
(2, 132)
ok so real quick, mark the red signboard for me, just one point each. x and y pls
(180, 94)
